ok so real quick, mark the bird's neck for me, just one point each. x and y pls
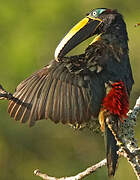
(115, 40)
(112, 39)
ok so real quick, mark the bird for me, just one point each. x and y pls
(83, 88)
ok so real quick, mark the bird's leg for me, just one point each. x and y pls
(102, 119)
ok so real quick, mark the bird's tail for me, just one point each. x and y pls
(111, 151)
(115, 106)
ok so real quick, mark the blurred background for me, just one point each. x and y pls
(29, 33)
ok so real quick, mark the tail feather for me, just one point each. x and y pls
(111, 151)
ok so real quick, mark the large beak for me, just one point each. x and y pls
(80, 32)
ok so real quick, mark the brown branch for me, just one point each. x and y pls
(80, 175)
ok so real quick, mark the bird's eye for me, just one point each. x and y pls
(94, 13)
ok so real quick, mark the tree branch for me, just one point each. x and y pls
(80, 175)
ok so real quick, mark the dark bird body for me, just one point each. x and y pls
(72, 89)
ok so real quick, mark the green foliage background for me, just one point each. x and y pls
(29, 33)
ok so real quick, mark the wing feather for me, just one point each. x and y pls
(53, 92)
(21, 95)
(28, 97)
(34, 100)
(56, 104)
(43, 97)
(49, 100)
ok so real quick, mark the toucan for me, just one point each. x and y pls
(89, 87)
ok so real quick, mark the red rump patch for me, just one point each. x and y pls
(116, 101)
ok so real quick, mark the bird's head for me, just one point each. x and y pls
(98, 21)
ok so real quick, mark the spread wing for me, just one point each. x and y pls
(56, 93)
